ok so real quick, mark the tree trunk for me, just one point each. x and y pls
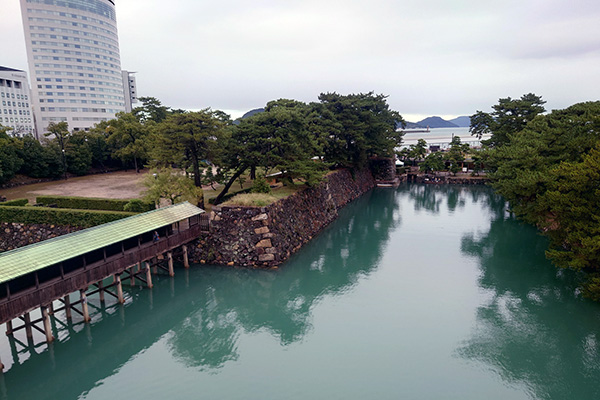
(253, 172)
(196, 167)
(135, 164)
(239, 172)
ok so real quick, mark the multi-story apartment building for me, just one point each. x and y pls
(129, 89)
(74, 61)
(15, 102)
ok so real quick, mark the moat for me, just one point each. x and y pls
(424, 292)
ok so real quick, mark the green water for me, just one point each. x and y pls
(423, 292)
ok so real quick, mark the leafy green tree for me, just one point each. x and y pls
(418, 151)
(127, 136)
(10, 162)
(456, 154)
(34, 156)
(433, 162)
(357, 126)
(520, 169)
(509, 116)
(188, 140)
(59, 131)
(278, 139)
(152, 110)
(172, 185)
(572, 206)
(78, 153)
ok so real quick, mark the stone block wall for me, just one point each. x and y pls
(13, 235)
(383, 169)
(267, 236)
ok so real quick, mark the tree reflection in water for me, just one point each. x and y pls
(534, 329)
(229, 301)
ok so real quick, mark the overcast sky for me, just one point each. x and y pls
(432, 57)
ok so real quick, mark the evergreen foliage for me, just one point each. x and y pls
(89, 203)
(549, 172)
(59, 216)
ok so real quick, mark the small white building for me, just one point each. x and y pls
(15, 102)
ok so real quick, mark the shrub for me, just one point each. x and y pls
(89, 203)
(59, 216)
(15, 203)
(260, 185)
(136, 205)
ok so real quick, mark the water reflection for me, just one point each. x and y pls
(534, 328)
(281, 301)
(430, 197)
(202, 313)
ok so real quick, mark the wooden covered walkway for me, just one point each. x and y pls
(37, 275)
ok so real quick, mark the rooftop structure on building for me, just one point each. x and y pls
(15, 102)
(74, 61)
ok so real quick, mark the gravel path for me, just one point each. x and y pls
(114, 185)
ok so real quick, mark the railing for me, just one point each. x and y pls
(46, 292)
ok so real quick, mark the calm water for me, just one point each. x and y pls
(421, 293)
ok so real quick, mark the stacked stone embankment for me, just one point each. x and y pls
(13, 235)
(267, 236)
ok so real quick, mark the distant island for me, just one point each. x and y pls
(429, 122)
(438, 122)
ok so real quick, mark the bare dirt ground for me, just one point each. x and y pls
(113, 185)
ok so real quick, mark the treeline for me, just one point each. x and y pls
(548, 167)
(299, 140)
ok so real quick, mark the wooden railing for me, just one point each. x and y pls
(44, 293)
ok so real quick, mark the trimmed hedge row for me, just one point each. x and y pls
(14, 203)
(89, 203)
(59, 216)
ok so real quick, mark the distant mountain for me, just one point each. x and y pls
(436, 122)
(248, 114)
(463, 122)
(252, 112)
(411, 125)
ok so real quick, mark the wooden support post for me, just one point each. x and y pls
(28, 331)
(132, 273)
(186, 261)
(51, 308)
(101, 291)
(46, 322)
(67, 300)
(148, 275)
(9, 328)
(170, 263)
(84, 306)
(119, 288)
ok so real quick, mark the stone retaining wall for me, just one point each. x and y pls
(267, 236)
(13, 235)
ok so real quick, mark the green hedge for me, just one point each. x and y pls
(59, 216)
(15, 203)
(88, 203)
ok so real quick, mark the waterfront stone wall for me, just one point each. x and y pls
(267, 236)
(13, 235)
(383, 169)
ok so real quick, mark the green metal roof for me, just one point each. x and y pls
(21, 261)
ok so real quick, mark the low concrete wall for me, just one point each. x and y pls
(267, 236)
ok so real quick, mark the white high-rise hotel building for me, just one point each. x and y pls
(74, 62)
